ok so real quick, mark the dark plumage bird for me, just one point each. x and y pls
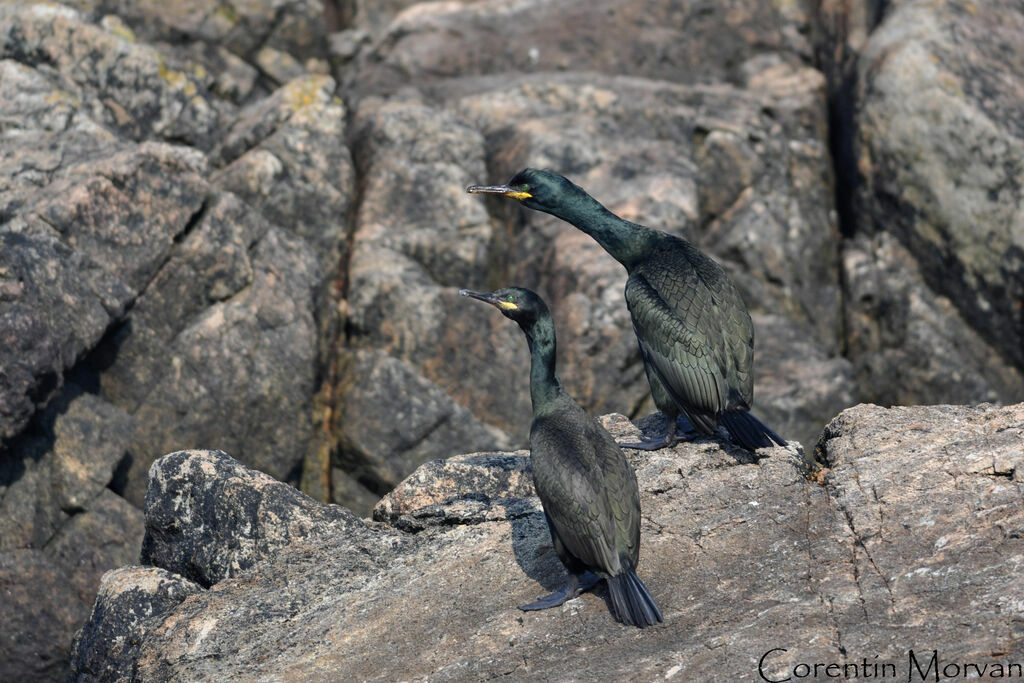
(695, 334)
(587, 488)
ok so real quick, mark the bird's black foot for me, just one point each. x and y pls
(573, 587)
(682, 430)
(646, 443)
(685, 429)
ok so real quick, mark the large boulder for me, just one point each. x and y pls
(208, 517)
(940, 148)
(135, 600)
(912, 514)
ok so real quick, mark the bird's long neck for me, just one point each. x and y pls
(544, 383)
(625, 241)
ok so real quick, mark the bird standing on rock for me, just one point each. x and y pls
(695, 334)
(588, 490)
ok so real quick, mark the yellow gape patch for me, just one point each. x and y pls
(508, 305)
(518, 195)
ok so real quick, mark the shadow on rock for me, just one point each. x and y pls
(531, 544)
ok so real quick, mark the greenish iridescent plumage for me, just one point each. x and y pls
(695, 334)
(588, 490)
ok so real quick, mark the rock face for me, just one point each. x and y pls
(658, 39)
(193, 296)
(40, 610)
(169, 266)
(242, 226)
(915, 514)
(60, 529)
(940, 148)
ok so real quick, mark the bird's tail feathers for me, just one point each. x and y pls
(630, 601)
(749, 432)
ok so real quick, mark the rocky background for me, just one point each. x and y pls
(242, 226)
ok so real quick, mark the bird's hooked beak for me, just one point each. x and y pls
(489, 298)
(503, 190)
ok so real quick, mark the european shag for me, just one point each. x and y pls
(588, 490)
(695, 334)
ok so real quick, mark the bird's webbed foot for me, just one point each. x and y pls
(685, 431)
(646, 443)
(681, 430)
(576, 584)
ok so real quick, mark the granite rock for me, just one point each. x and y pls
(131, 602)
(126, 86)
(39, 613)
(913, 514)
(940, 147)
(660, 39)
(392, 419)
(208, 517)
(910, 343)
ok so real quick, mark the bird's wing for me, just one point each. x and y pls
(622, 492)
(570, 479)
(736, 330)
(677, 340)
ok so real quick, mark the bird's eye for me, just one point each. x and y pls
(524, 187)
(511, 299)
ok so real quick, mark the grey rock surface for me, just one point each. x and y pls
(418, 238)
(660, 39)
(131, 602)
(243, 34)
(125, 254)
(346, 490)
(926, 492)
(906, 340)
(464, 489)
(392, 419)
(941, 148)
(208, 517)
(186, 238)
(180, 313)
(239, 372)
(108, 534)
(62, 471)
(915, 515)
(286, 157)
(77, 254)
(799, 385)
(39, 613)
(126, 86)
(60, 529)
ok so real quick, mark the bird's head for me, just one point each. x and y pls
(539, 190)
(516, 303)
